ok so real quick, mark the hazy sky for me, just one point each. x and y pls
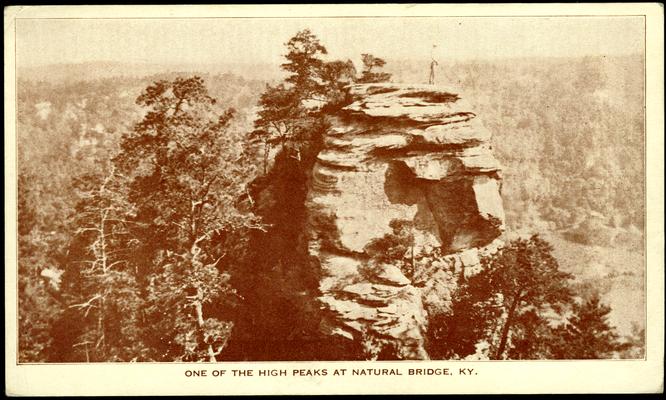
(45, 41)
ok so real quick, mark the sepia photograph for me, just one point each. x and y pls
(204, 190)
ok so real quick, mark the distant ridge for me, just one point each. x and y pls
(110, 69)
(403, 70)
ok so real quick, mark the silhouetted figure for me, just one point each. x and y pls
(433, 64)
(431, 79)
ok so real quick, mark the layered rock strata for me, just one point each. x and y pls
(411, 154)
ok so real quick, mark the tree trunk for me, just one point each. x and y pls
(198, 304)
(267, 150)
(505, 329)
(200, 321)
(101, 338)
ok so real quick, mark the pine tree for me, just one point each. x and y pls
(526, 276)
(289, 115)
(304, 64)
(186, 174)
(102, 288)
(507, 305)
(587, 333)
(368, 76)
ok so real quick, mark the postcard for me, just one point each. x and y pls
(334, 199)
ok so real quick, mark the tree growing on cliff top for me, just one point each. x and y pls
(368, 76)
(283, 118)
(290, 113)
(304, 62)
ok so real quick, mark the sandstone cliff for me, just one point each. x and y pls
(410, 156)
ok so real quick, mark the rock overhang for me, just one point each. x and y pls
(415, 153)
(418, 103)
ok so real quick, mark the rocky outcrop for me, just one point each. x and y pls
(413, 154)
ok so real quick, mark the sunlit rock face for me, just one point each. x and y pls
(416, 154)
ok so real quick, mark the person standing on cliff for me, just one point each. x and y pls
(433, 64)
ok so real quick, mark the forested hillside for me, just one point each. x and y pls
(568, 133)
(67, 134)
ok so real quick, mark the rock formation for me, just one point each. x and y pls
(415, 156)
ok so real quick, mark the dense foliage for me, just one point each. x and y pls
(143, 227)
(521, 306)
